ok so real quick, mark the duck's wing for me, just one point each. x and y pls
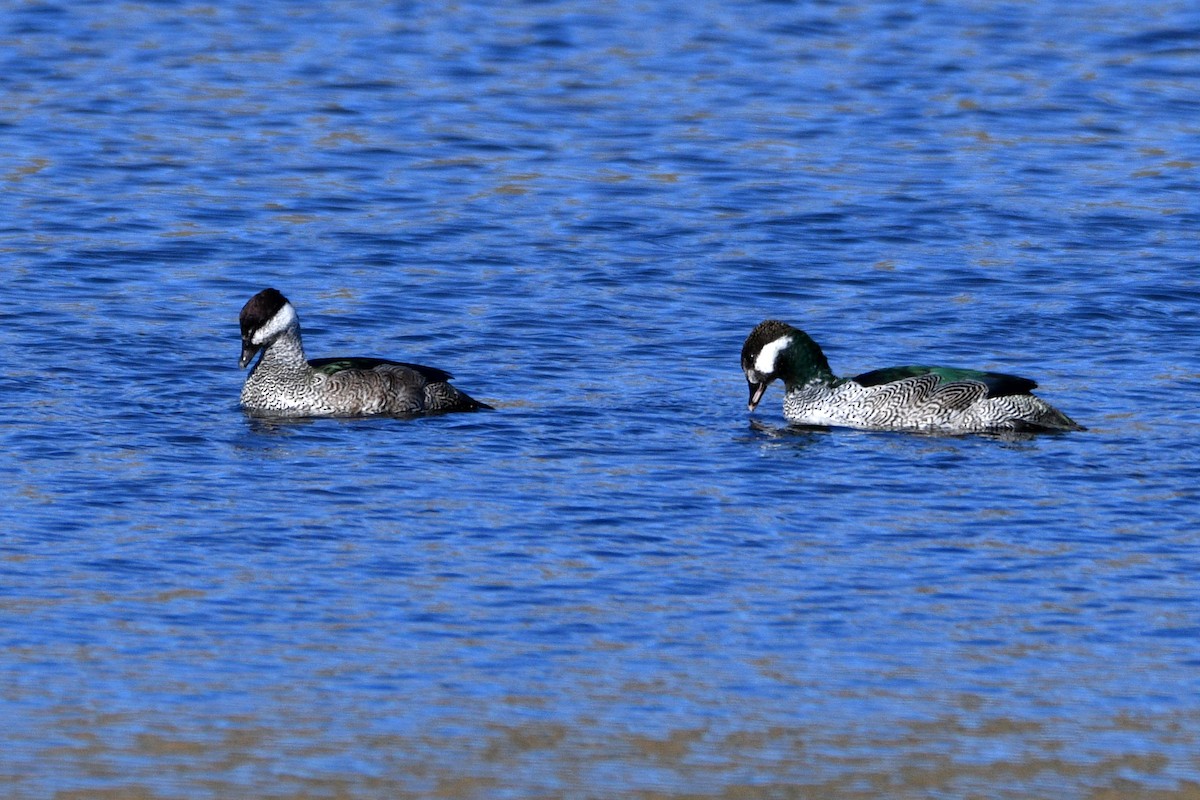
(332, 366)
(998, 384)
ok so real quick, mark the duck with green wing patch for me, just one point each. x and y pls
(910, 398)
(286, 384)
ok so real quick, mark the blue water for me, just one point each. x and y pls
(619, 583)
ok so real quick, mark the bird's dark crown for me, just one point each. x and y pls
(259, 310)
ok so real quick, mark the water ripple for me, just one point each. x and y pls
(618, 578)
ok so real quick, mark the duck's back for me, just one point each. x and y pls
(943, 399)
(358, 386)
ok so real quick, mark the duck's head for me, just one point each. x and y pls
(775, 349)
(264, 317)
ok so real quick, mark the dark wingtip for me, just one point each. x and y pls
(463, 403)
(471, 404)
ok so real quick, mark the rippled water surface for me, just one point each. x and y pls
(619, 583)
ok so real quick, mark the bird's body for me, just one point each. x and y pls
(916, 398)
(286, 384)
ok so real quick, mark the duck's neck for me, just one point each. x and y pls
(818, 381)
(804, 364)
(285, 353)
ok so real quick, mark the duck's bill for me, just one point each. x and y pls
(756, 393)
(248, 352)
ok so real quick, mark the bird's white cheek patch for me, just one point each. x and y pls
(283, 319)
(765, 363)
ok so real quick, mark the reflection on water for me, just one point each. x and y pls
(557, 758)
